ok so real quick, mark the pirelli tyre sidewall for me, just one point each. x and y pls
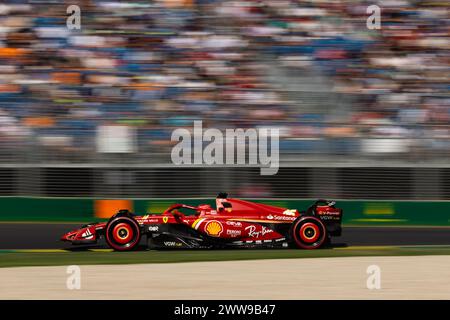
(308, 232)
(123, 233)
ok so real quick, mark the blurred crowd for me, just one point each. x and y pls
(158, 65)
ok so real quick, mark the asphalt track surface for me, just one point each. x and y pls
(45, 236)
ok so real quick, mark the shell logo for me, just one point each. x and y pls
(214, 228)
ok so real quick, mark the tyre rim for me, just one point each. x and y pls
(309, 232)
(123, 233)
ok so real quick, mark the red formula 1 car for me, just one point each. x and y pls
(233, 223)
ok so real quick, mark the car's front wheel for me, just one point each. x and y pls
(123, 234)
(308, 232)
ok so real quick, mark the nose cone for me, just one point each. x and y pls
(69, 236)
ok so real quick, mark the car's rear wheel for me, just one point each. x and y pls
(123, 233)
(308, 233)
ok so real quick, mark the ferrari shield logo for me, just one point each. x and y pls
(165, 219)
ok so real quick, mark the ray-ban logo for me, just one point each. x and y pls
(235, 147)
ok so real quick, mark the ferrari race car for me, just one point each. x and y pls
(233, 223)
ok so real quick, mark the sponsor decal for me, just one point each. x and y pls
(329, 213)
(283, 218)
(256, 234)
(87, 235)
(234, 233)
(153, 228)
(290, 212)
(213, 228)
(165, 219)
(323, 218)
(147, 219)
(172, 244)
(270, 217)
(234, 223)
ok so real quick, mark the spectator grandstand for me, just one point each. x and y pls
(311, 68)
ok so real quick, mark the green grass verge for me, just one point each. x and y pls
(14, 259)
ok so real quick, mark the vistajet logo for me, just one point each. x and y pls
(235, 147)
